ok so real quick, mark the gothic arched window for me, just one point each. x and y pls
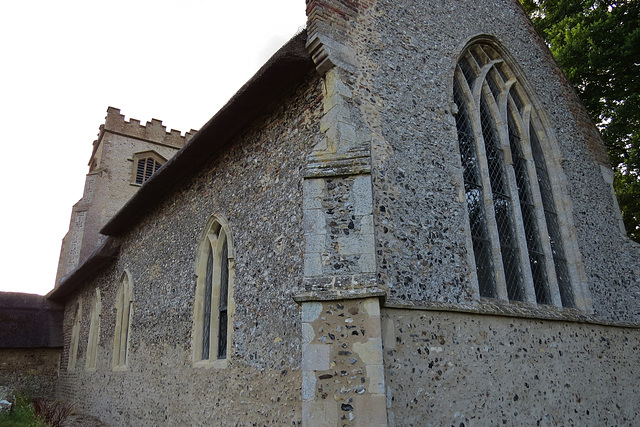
(124, 311)
(214, 295)
(75, 336)
(146, 164)
(517, 245)
(94, 333)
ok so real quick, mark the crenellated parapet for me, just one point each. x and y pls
(112, 180)
(153, 131)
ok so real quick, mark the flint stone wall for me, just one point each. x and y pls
(256, 184)
(445, 368)
(406, 54)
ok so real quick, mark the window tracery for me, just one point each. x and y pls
(214, 295)
(516, 238)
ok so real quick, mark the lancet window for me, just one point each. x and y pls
(214, 299)
(124, 312)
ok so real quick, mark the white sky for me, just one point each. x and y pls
(62, 63)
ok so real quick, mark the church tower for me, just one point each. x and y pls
(124, 157)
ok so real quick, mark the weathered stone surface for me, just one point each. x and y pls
(257, 185)
(343, 372)
(34, 370)
(348, 195)
(453, 368)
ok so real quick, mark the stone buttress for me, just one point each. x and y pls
(342, 364)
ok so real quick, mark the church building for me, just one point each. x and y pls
(405, 218)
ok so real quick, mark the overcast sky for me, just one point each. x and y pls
(62, 63)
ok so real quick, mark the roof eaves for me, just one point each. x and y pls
(289, 65)
(100, 258)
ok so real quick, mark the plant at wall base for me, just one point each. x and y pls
(597, 45)
(55, 413)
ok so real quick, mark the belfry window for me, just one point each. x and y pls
(146, 164)
(515, 233)
(214, 303)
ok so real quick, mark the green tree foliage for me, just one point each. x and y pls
(597, 45)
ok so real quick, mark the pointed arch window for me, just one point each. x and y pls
(94, 333)
(515, 233)
(124, 312)
(75, 336)
(213, 309)
(145, 164)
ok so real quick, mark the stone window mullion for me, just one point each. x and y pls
(502, 126)
(209, 295)
(481, 245)
(483, 167)
(215, 298)
(525, 145)
(549, 212)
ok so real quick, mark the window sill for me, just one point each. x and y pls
(496, 307)
(208, 364)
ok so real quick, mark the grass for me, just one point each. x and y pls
(28, 412)
(22, 415)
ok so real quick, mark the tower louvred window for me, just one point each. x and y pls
(516, 238)
(146, 168)
(145, 164)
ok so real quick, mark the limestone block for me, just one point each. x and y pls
(316, 357)
(313, 221)
(370, 352)
(361, 195)
(312, 193)
(312, 264)
(319, 414)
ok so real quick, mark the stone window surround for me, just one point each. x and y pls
(536, 115)
(143, 156)
(94, 333)
(124, 313)
(75, 336)
(217, 225)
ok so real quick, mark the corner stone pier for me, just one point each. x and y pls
(342, 368)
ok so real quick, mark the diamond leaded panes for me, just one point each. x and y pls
(475, 199)
(514, 225)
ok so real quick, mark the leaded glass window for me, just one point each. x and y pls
(515, 231)
(124, 311)
(213, 295)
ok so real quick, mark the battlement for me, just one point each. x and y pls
(153, 131)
